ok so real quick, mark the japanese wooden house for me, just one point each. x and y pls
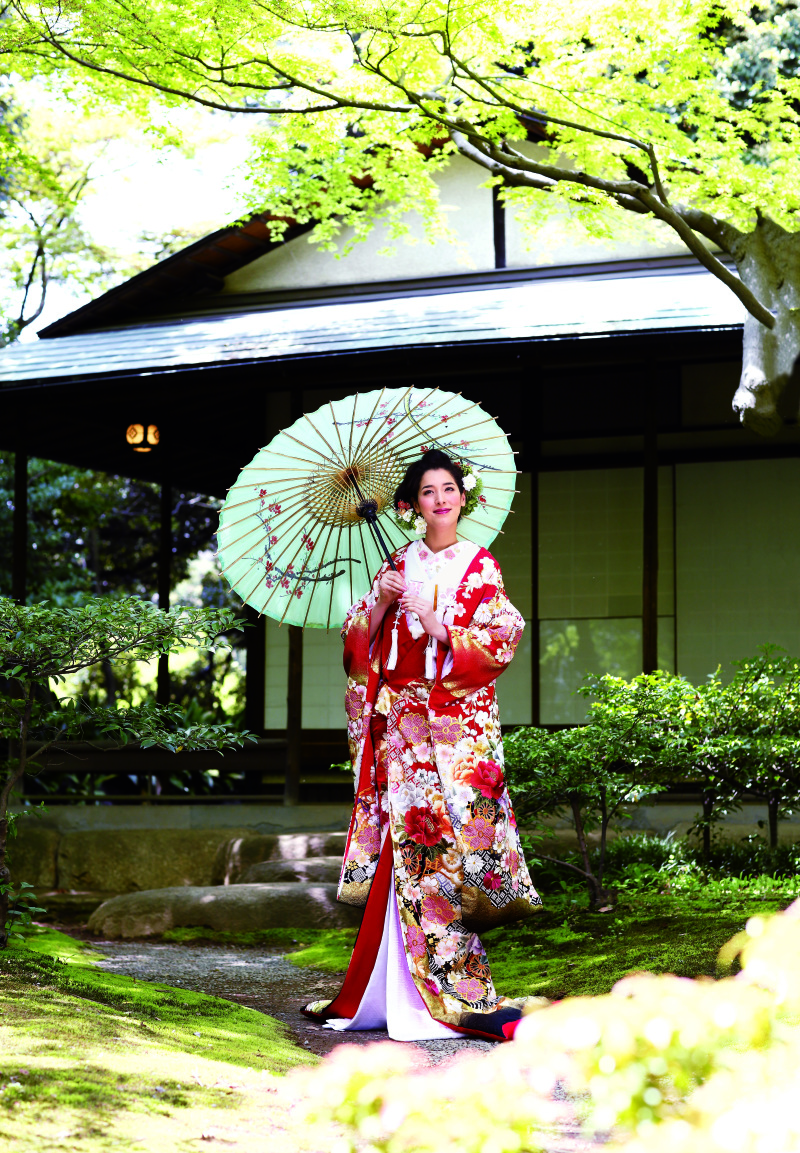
(650, 530)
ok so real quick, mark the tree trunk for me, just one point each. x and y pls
(599, 898)
(773, 808)
(5, 799)
(768, 261)
(5, 878)
(708, 809)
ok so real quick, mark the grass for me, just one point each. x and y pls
(326, 949)
(91, 1060)
(566, 951)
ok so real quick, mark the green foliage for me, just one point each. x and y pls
(660, 1063)
(57, 151)
(736, 738)
(686, 113)
(53, 152)
(91, 533)
(744, 736)
(595, 771)
(41, 645)
(672, 857)
(19, 908)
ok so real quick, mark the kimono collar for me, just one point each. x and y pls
(438, 576)
(446, 568)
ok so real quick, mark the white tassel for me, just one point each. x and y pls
(430, 659)
(392, 661)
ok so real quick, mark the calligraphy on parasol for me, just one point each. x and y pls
(309, 520)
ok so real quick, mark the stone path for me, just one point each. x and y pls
(265, 981)
(269, 983)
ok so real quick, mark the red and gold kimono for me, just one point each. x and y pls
(432, 825)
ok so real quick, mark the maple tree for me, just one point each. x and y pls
(684, 114)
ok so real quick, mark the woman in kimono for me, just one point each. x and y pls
(433, 851)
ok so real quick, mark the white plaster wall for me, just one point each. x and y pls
(299, 264)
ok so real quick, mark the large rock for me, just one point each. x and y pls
(238, 854)
(326, 869)
(127, 860)
(229, 908)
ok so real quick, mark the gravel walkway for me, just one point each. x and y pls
(264, 981)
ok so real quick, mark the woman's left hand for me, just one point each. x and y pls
(427, 617)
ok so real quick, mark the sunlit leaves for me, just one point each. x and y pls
(660, 1064)
(345, 93)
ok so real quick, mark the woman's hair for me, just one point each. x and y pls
(408, 489)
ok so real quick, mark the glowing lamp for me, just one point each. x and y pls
(142, 438)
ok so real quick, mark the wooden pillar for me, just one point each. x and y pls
(164, 581)
(531, 419)
(533, 465)
(19, 560)
(650, 532)
(294, 716)
(255, 639)
(499, 229)
(294, 680)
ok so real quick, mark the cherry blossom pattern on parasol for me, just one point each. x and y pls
(293, 539)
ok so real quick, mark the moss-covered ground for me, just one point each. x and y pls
(567, 951)
(91, 1060)
(327, 949)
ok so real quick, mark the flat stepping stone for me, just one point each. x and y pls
(237, 908)
(325, 869)
(237, 855)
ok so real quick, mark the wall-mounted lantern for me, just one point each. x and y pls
(142, 437)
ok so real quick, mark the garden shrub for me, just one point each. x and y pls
(736, 740)
(661, 1064)
(40, 645)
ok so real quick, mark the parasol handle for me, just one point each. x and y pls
(368, 509)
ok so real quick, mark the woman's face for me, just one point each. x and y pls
(439, 501)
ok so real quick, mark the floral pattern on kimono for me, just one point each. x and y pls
(428, 762)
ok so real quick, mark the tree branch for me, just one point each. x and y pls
(566, 864)
(707, 259)
(510, 176)
(719, 232)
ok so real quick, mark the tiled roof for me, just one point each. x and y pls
(195, 271)
(578, 307)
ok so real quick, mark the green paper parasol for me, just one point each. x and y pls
(291, 540)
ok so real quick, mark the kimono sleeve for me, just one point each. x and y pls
(482, 649)
(355, 632)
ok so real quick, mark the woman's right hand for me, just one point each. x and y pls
(390, 587)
